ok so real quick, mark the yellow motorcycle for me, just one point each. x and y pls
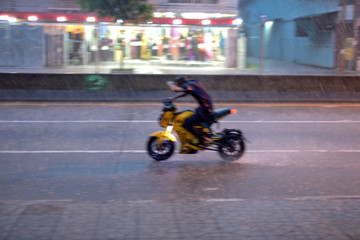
(230, 143)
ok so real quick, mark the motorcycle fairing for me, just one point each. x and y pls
(161, 136)
(184, 135)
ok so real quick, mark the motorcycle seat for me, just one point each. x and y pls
(220, 113)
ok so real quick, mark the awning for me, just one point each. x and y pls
(88, 17)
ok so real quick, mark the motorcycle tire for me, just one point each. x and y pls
(232, 147)
(160, 152)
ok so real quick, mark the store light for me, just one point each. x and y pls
(177, 21)
(269, 24)
(91, 19)
(237, 21)
(206, 22)
(119, 21)
(4, 17)
(61, 19)
(8, 18)
(32, 18)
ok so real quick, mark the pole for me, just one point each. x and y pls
(356, 34)
(97, 29)
(262, 47)
(342, 37)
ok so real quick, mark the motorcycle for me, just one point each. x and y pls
(230, 143)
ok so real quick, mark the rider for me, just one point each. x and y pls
(204, 113)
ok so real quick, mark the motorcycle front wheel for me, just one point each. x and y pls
(160, 152)
(232, 147)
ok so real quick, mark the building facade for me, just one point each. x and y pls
(300, 31)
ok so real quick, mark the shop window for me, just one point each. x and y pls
(323, 38)
(326, 22)
(325, 28)
(311, 26)
(301, 29)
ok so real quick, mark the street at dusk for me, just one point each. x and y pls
(81, 171)
(96, 142)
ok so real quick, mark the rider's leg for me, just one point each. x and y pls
(191, 122)
(196, 120)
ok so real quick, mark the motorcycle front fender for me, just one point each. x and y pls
(161, 136)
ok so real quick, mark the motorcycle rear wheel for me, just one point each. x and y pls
(160, 152)
(231, 147)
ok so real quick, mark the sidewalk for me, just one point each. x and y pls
(166, 67)
(322, 218)
(271, 67)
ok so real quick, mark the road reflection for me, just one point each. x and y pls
(194, 180)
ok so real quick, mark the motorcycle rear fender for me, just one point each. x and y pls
(236, 132)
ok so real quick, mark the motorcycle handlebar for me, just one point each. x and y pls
(167, 101)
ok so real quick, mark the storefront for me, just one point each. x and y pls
(155, 43)
(69, 42)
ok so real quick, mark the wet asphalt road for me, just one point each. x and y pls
(96, 153)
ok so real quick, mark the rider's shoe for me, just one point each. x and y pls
(206, 141)
(216, 137)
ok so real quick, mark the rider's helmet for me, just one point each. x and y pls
(180, 80)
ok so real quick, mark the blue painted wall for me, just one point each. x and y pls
(281, 42)
(21, 45)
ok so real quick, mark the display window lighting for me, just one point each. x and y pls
(61, 19)
(169, 14)
(195, 15)
(32, 18)
(206, 22)
(91, 19)
(12, 19)
(158, 14)
(177, 21)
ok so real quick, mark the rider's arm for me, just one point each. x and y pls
(175, 88)
(179, 95)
